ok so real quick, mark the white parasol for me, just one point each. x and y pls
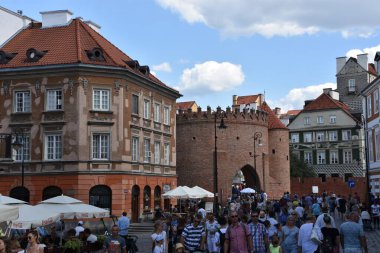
(248, 190)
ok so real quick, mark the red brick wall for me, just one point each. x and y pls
(332, 184)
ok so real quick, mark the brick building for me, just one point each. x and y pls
(236, 150)
(88, 120)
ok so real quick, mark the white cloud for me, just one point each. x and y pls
(295, 99)
(280, 18)
(164, 67)
(211, 76)
(371, 51)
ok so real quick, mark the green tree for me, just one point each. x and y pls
(298, 168)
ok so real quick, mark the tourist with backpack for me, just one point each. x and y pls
(331, 238)
(221, 233)
(238, 237)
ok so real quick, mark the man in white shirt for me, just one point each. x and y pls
(79, 228)
(305, 244)
(300, 211)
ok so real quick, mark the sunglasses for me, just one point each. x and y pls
(254, 216)
(234, 216)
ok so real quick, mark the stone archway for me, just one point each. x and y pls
(251, 179)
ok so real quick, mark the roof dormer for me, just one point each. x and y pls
(5, 57)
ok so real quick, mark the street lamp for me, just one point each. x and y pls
(257, 141)
(221, 126)
(19, 145)
(364, 122)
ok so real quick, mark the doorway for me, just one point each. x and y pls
(135, 203)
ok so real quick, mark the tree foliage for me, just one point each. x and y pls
(298, 168)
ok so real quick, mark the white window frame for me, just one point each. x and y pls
(22, 101)
(333, 135)
(308, 157)
(346, 135)
(320, 120)
(369, 106)
(157, 112)
(332, 119)
(54, 100)
(306, 120)
(334, 157)
(305, 137)
(157, 152)
(377, 143)
(166, 154)
(101, 99)
(370, 145)
(166, 115)
(347, 156)
(135, 106)
(295, 137)
(351, 85)
(147, 153)
(320, 136)
(376, 101)
(146, 109)
(135, 149)
(24, 150)
(53, 146)
(321, 157)
(100, 146)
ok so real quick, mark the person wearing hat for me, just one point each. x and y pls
(159, 244)
(179, 248)
(79, 228)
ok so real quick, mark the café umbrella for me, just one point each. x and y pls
(8, 212)
(34, 216)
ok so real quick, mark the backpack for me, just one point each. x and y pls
(327, 245)
(222, 238)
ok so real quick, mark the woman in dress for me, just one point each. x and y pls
(33, 244)
(290, 236)
(212, 227)
(159, 231)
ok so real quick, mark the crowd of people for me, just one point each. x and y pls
(251, 223)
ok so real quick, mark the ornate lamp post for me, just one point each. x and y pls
(364, 122)
(221, 126)
(257, 141)
(19, 144)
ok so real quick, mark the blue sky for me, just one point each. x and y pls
(211, 50)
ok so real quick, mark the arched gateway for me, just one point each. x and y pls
(247, 177)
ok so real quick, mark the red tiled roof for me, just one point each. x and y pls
(293, 112)
(247, 99)
(372, 69)
(66, 45)
(273, 121)
(185, 105)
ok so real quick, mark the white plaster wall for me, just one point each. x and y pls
(10, 23)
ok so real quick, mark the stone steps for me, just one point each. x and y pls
(140, 228)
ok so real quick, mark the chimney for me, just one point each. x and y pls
(277, 111)
(363, 61)
(93, 25)
(334, 94)
(55, 18)
(234, 99)
(377, 62)
(327, 90)
(340, 62)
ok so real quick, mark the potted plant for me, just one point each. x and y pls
(73, 245)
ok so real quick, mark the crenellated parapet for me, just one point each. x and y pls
(245, 116)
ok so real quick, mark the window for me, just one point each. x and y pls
(146, 109)
(377, 143)
(370, 145)
(146, 150)
(346, 135)
(347, 176)
(322, 177)
(321, 157)
(307, 137)
(135, 148)
(351, 85)
(320, 136)
(51, 192)
(54, 100)
(157, 153)
(320, 120)
(53, 147)
(166, 115)
(333, 135)
(101, 100)
(334, 157)
(24, 150)
(376, 101)
(100, 146)
(166, 154)
(347, 156)
(334, 175)
(135, 104)
(369, 106)
(332, 119)
(306, 120)
(22, 101)
(308, 157)
(295, 138)
(157, 111)
(101, 196)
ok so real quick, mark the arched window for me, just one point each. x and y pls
(147, 196)
(101, 196)
(20, 193)
(51, 192)
(157, 196)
